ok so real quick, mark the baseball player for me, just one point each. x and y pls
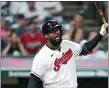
(54, 65)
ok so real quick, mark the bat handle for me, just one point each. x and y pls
(102, 16)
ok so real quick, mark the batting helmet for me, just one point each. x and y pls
(49, 25)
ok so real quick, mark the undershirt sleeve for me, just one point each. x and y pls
(90, 45)
(35, 82)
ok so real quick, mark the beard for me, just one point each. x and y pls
(55, 42)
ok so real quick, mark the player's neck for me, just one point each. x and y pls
(53, 47)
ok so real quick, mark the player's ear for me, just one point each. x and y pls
(45, 36)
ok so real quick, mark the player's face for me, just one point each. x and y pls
(54, 36)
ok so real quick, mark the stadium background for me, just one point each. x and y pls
(92, 71)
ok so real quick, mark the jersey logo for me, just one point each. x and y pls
(62, 60)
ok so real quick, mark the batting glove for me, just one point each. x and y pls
(104, 29)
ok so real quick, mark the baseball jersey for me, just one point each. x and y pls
(57, 68)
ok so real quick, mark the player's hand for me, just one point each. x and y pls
(104, 29)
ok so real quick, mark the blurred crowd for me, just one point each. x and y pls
(21, 27)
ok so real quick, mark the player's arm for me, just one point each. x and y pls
(90, 45)
(35, 82)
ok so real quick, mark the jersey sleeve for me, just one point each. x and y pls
(76, 48)
(39, 67)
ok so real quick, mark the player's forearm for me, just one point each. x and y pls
(90, 45)
(35, 82)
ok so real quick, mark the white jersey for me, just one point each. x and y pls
(57, 68)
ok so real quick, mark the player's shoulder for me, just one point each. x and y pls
(68, 42)
(64, 41)
(42, 54)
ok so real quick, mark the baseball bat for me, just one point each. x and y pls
(98, 7)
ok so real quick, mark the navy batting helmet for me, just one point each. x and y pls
(49, 25)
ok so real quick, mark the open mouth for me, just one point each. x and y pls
(57, 38)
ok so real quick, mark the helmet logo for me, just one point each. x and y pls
(50, 25)
(53, 22)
